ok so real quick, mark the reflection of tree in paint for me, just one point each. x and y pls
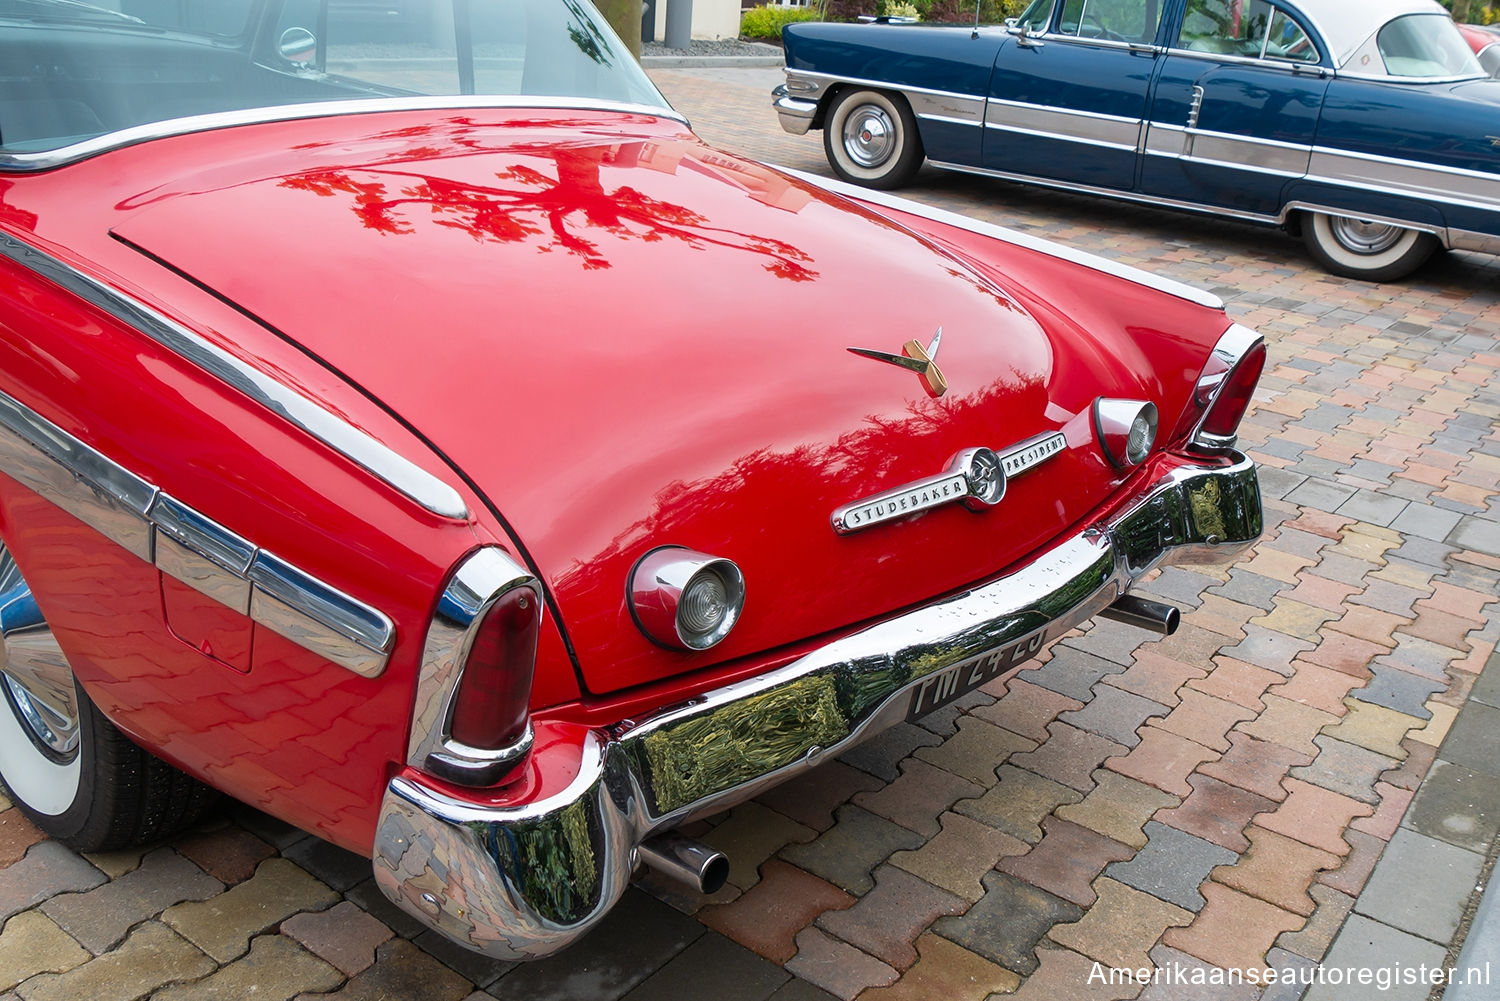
(586, 35)
(527, 203)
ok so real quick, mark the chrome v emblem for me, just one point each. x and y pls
(916, 358)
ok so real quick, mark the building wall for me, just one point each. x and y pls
(711, 18)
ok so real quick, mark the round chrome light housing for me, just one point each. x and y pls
(686, 599)
(1126, 430)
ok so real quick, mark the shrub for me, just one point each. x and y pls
(767, 21)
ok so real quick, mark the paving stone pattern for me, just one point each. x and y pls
(1306, 771)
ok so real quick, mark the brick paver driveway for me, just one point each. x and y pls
(1216, 799)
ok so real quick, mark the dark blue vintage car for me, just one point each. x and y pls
(1367, 125)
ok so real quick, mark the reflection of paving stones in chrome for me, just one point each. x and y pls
(1280, 783)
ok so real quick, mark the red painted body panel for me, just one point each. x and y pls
(296, 735)
(623, 339)
(629, 340)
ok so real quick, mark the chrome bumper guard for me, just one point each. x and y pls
(522, 882)
(796, 113)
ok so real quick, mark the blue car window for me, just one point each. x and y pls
(1425, 45)
(1287, 40)
(1113, 20)
(1227, 27)
(1037, 16)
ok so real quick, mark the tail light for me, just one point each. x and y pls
(1224, 388)
(489, 706)
(471, 722)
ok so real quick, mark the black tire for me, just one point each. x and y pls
(74, 775)
(871, 139)
(1371, 251)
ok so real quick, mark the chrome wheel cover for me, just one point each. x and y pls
(38, 681)
(869, 135)
(1362, 236)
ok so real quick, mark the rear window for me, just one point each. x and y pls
(1425, 45)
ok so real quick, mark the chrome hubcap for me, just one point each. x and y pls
(1363, 236)
(38, 680)
(869, 136)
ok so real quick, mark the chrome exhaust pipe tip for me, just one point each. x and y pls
(1157, 616)
(687, 861)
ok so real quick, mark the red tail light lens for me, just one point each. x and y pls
(491, 701)
(1223, 391)
(1233, 398)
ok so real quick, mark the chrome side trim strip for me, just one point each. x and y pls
(1061, 136)
(1224, 160)
(188, 546)
(1223, 149)
(375, 457)
(951, 121)
(1067, 124)
(1131, 196)
(1415, 193)
(321, 618)
(816, 83)
(522, 881)
(1396, 162)
(482, 579)
(1091, 261)
(1430, 182)
(1464, 239)
(1047, 109)
(17, 162)
(74, 477)
(202, 554)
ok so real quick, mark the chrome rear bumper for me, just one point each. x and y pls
(523, 881)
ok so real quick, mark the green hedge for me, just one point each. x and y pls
(767, 22)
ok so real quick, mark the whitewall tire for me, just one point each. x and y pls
(871, 139)
(1366, 249)
(70, 771)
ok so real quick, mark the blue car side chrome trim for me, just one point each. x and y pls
(523, 881)
(1019, 239)
(375, 457)
(188, 546)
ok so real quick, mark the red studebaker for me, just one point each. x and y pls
(409, 427)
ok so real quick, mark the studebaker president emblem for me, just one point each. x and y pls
(976, 477)
(918, 359)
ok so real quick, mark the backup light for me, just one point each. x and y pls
(685, 599)
(1126, 430)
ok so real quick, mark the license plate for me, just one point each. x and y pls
(937, 690)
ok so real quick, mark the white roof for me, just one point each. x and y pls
(1347, 24)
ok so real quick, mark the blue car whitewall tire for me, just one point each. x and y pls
(871, 139)
(1360, 248)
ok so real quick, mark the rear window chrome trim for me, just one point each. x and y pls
(64, 155)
